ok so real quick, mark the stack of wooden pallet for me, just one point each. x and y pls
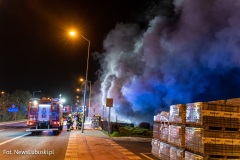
(202, 130)
(212, 129)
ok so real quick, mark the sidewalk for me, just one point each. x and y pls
(95, 145)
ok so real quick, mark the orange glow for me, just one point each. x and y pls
(81, 80)
(72, 33)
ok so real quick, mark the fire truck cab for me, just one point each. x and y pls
(45, 115)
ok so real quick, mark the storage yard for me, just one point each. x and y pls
(198, 131)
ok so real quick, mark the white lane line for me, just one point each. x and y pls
(5, 123)
(144, 154)
(14, 138)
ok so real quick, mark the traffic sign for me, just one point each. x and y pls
(11, 109)
(80, 109)
(109, 102)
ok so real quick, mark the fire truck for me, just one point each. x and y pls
(66, 111)
(45, 115)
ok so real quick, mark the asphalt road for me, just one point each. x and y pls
(139, 148)
(17, 144)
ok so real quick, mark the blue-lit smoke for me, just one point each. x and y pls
(193, 57)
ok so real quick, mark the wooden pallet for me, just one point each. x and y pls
(211, 121)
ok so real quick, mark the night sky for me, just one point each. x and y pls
(36, 52)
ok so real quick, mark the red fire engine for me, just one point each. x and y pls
(66, 111)
(45, 115)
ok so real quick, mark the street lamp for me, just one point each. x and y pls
(89, 100)
(72, 33)
(35, 92)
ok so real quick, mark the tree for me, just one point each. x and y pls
(19, 99)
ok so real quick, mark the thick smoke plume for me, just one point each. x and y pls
(191, 56)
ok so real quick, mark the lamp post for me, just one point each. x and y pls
(35, 92)
(72, 33)
(86, 79)
(89, 100)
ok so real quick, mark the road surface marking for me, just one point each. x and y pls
(144, 154)
(72, 148)
(134, 157)
(4, 123)
(130, 155)
(14, 138)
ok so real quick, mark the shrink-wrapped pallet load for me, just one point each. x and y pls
(162, 117)
(156, 128)
(177, 114)
(233, 101)
(199, 131)
(213, 114)
(164, 132)
(192, 156)
(164, 151)
(194, 139)
(176, 135)
(212, 142)
(176, 153)
(155, 147)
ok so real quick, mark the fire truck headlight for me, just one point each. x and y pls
(35, 102)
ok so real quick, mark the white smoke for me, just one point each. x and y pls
(185, 58)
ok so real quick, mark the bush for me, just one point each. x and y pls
(126, 131)
(115, 134)
(132, 132)
(144, 125)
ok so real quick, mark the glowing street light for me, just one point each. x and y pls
(73, 34)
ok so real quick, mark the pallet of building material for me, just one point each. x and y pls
(227, 106)
(156, 127)
(223, 122)
(176, 135)
(212, 114)
(200, 141)
(214, 157)
(222, 149)
(155, 147)
(196, 156)
(164, 132)
(221, 134)
(232, 101)
(164, 151)
(193, 139)
(176, 153)
(218, 102)
(177, 114)
(193, 156)
(162, 117)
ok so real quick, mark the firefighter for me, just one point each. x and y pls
(69, 122)
(78, 122)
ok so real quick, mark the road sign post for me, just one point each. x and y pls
(109, 103)
(14, 110)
